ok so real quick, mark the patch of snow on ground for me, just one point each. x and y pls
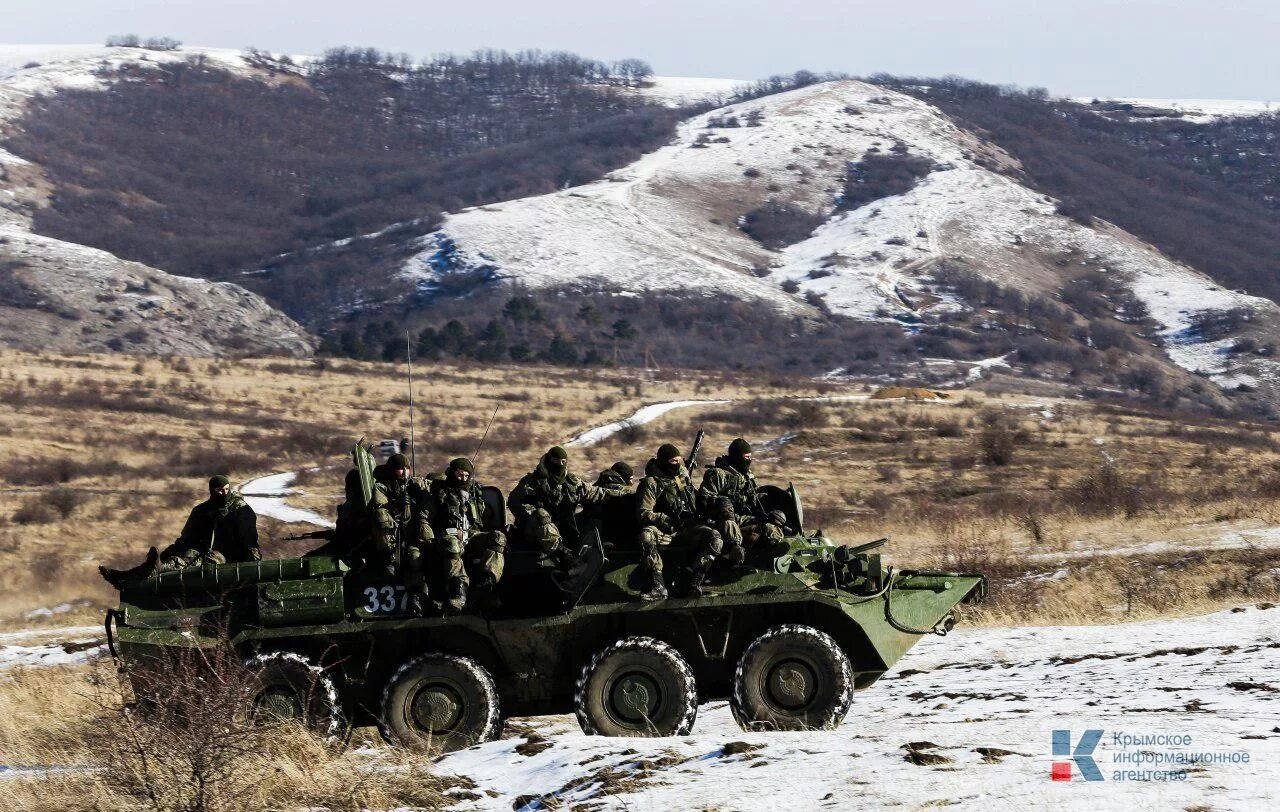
(984, 702)
(678, 91)
(1200, 111)
(266, 495)
(643, 415)
(46, 648)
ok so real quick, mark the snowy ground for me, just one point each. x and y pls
(266, 495)
(44, 648)
(966, 720)
(643, 415)
(1200, 111)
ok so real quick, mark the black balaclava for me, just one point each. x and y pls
(216, 482)
(738, 450)
(557, 463)
(666, 452)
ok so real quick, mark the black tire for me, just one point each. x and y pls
(440, 702)
(282, 685)
(638, 686)
(792, 677)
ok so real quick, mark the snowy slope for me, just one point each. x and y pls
(983, 701)
(1200, 111)
(117, 304)
(677, 91)
(669, 222)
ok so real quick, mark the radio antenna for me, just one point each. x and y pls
(413, 447)
(486, 434)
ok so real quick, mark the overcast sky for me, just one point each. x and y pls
(1158, 48)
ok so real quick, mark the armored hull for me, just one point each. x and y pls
(787, 638)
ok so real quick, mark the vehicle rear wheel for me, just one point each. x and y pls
(440, 701)
(792, 677)
(282, 685)
(638, 686)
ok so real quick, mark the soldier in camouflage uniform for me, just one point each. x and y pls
(462, 524)
(612, 518)
(222, 529)
(399, 533)
(545, 504)
(666, 511)
(727, 501)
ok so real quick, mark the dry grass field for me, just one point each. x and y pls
(101, 457)
(1080, 513)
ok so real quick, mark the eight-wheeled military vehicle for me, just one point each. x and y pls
(786, 638)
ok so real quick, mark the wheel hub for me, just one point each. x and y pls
(277, 703)
(792, 684)
(437, 708)
(635, 697)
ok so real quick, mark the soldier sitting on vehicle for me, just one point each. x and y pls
(729, 502)
(398, 530)
(222, 529)
(545, 504)
(462, 524)
(612, 518)
(666, 512)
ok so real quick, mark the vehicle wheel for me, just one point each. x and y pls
(792, 677)
(638, 686)
(440, 701)
(282, 685)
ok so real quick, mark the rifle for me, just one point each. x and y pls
(689, 505)
(325, 535)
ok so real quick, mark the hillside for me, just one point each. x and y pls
(539, 208)
(671, 224)
(61, 295)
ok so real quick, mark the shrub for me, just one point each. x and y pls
(777, 224)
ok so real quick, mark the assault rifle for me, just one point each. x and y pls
(689, 504)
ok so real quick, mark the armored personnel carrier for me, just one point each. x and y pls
(787, 638)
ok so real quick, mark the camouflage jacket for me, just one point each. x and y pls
(723, 481)
(400, 511)
(230, 528)
(560, 498)
(458, 508)
(665, 501)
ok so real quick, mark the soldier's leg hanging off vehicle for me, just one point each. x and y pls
(649, 571)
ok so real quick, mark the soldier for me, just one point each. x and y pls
(221, 529)
(545, 503)
(399, 529)
(727, 500)
(463, 526)
(666, 511)
(612, 519)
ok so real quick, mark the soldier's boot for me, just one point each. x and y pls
(415, 605)
(698, 576)
(484, 592)
(457, 597)
(119, 578)
(734, 554)
(655, 590)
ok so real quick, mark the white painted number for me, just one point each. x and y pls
(383, 600)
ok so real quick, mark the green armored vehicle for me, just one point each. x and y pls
(786, 638)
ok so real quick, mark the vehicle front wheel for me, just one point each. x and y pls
(439, 701)
(638, 686)
(282, 685)
(792, 677)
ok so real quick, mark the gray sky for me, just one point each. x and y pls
(1158, 48)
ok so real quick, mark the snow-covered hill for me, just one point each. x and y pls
(1199, 111)
(669, 223)
(63, 296)
(965, 720)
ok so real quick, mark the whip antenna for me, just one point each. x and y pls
(485, 436)
(413, 447)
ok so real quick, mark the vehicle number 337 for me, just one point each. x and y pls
(383, 600)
